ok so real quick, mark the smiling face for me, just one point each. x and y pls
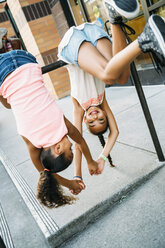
(95, 119)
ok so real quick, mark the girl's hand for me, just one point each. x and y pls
(76, 186)
(81, 182)
(101, 164)
(93, 168)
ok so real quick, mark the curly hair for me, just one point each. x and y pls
(49, 192)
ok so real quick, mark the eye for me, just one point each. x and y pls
(101, 119)
(90, 122)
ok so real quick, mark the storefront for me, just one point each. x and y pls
(94, 10)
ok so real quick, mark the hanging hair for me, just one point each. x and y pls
(49, 192)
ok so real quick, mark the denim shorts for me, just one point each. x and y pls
(90, 32)
(10, 61)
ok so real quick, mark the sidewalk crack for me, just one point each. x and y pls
(139, 148)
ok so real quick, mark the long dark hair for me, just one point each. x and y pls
(49, 192)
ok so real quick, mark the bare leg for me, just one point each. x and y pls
(118, 44)
(94, 60)
(121, 60)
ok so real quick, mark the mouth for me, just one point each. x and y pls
(93, 112)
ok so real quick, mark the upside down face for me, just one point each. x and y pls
(95, 119)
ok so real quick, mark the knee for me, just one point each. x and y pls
(123, 79)
(107, 79)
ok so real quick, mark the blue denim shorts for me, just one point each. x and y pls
(90, 32)
(10, 61)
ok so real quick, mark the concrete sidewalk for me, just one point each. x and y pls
(134, 156)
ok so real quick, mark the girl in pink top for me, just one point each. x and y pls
(42, 125)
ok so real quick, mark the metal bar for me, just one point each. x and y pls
(53, 66)
(145, 9)
(146, 112)
(71, 11)
(157, 5)
(84, 11)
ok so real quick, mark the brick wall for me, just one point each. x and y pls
(4, 22)
(59, 18)
(41, 37)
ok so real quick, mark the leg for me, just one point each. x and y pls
(98, 65)
(118, 65)
(151, 39)
(96, 62)
(117, 69)
(118, 44)
(98, 59)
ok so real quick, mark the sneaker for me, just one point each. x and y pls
(152, 39)
(114, 16)
(117, 8)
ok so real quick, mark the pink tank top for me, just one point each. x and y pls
(37, 115)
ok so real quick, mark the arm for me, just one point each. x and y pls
(78, 114)
(75, 135)
(4, 102)
(112, 127)
(34, 153)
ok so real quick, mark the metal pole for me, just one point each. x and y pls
(146, 112)
(53, 66)
(145, 9)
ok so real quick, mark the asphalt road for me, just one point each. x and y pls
(137, 222)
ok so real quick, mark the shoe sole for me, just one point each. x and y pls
(159, 36)
(128, 15)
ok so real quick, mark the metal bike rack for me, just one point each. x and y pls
(146, 112)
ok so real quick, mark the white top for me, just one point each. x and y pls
(86, 89)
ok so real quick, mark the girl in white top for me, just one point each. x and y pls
(87, 91)
(88, 50)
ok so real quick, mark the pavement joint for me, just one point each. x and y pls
(139, 148)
